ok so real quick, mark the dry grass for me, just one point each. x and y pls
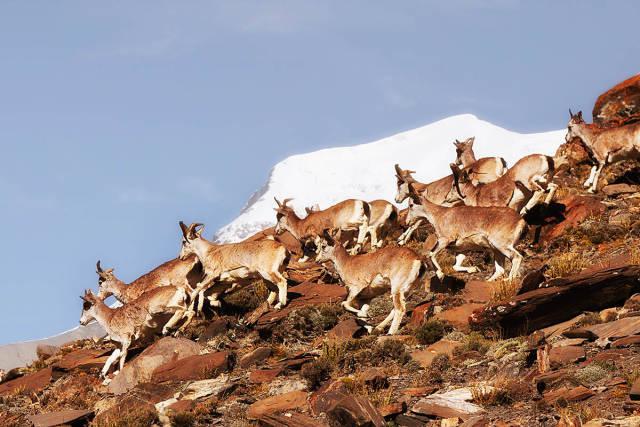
(379, 397)
(502, 391)
(505, 289)
(634, 255)
(565, 264)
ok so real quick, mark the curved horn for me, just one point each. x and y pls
(285, 201)
(98, 268)
(278, 202)
(398, 170)
(570, 113)
(184, 228)
(456, 179)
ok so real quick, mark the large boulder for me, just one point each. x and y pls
(140, 370)
(196, 367)
(620, 105)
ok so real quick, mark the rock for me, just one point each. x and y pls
(375, 378)
(420, 314)
(264, 375)
(580, 333)
(31, 383)
(532, 280)
(455, 403)
(345, 330)
(477, 291)
(413, 420)
(560, 356)
(205, 388)
(342, 408)
(425, 357)
(634, 393)
(274, 404)
(612, 190)
(303, 295)
(619, 105)
(477, 421)
(610, 355)
(626, 341)
(182, 406)
(285, 385)
(139, 370)
(633, 303)
(616, 422)
(617, 329)
(419, 391)
(569, 342)
(292, 419)
(84, 359)
(577, 209)
(559, 328)
(66, 417)
(256, 356)
(459, 316)
(547, 380)
(197, 367)
(392, 409)
(559, 300)
(45, 351)
(450, 422)
(575, 394)
(216, 327)
(295, 362)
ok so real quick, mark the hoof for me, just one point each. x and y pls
(440, 274)
(473, 270)
(369, 329)
(278, 306)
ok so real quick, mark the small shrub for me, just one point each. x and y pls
(441, 363)
(505, 289)
(380, 306)
(591, 374)
(390, 349)
(590, 318)
(183, 419)
(247, 298)
(503, 391)
(308, 322)
(474, 342)
(316, 372)
(565, 264)
(431, 331)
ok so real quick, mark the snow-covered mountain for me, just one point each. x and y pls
(366, 171)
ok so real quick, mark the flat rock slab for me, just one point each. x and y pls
(617, 189)
(560, 356)
(459, 316)
(626, 341)
(32, 383)
(617, 329)
(60, 418)
(420, 313)
(84, 359)
(634, 393)
(425, 357)
(255, 356)
(292, 419)
(274, 404)
(261, 376)
(344, 409)
(478, 291)
(197, 367)
(575, 394)
(455, 403)
(569, 342)
(304, 295)
(345, 330)
(391, 409)
(140, 369)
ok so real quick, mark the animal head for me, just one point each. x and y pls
(107, 281)
(404, 179)
(463, 147)
(284, 213)
(575, 122)
(325, 247)
(89, 302)
(190, 235)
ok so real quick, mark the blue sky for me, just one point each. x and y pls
(119, 118)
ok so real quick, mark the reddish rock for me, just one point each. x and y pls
(448, 405)
(477, 291)
(419, 391)
(345, 330)
(575, 394)
(610, 355)
(274, 404)
(305, 294)
(198, 367)
(140, 369)
(477, 421)
(31, 383)
(342, 408)
(577, 209)
(83, 359)
(560, 356)
(619, 105)
(45, 351)
(547, 380)
(420, 314)
(264, 375)
(292, 419)
(532, 280)
(216, 327)
(617, 329)
(612, 190)
(182, 406)
(295, 362)
(634, 393)
(626, 341)
(459, 316)
(256, 356)
(66, 417)
(392, 409)
(425, 357)
(412, 420)
(375, 378)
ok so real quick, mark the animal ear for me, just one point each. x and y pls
(579, 114)
(398, 170)
(471, 140)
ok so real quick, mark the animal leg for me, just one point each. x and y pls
(459, 267)
(439, 248)
(592, 175)
(386, 320)
(123, 356)
(594, 185)
(362, 233)
(552, 192)
(373, 232)
(189, 315)
(499, 259)
(516, 260)
(179, 314)
(404, 237)
(400, 308)
(110, 361)
(272, 297)
(534, 200)
(353, 293)
(279, 280)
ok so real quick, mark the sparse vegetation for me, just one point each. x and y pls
(505, 289)
(316, 372)
(308, 322)
(431, 331)
(565, 264)
(183, 419)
